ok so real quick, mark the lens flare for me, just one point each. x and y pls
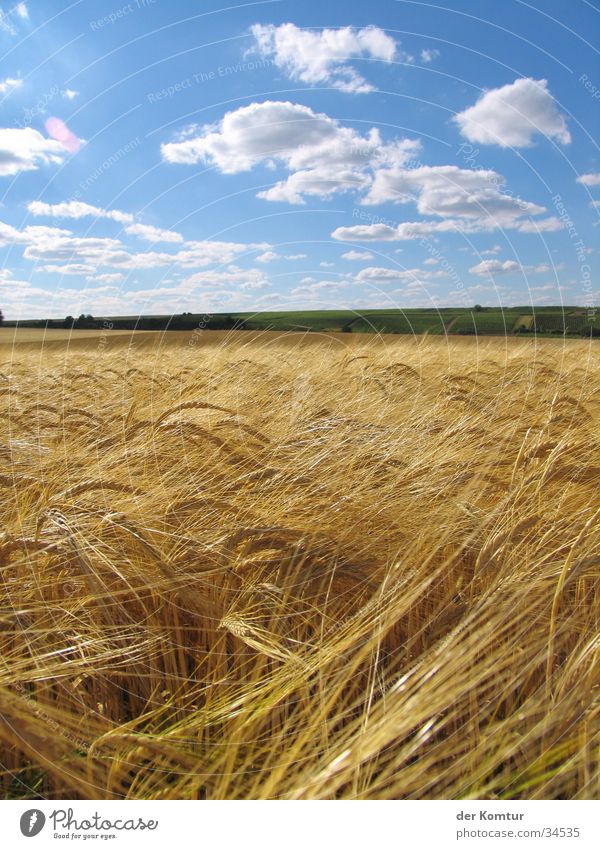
(58, 130)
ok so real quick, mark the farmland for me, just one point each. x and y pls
(262, 565)
(480, 321)
(569, 321)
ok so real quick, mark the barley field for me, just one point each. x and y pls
(261, 565)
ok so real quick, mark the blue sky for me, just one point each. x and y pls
(158, 156)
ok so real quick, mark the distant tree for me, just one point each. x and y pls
(1, 317)
(69, 321)
(84, 321)
(478, 308)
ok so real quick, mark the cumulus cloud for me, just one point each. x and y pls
(22, 299)
(323, 156)
(463, 201)
(451, 192)
(69, 94)
(545, 225)
(424, 229)
(9, 84)
(357, 256)
(495, 267)
(117, 277)
(69, 268)
(9, 19)
(319, 57)
(406, 231)
(26, 149)
(53, 246)
(321, 287)
(79, 209)
(243, 278)
(267, 256)
(76, 209)
(591, 179)
(396, 275)
(428, 55)
(153, 234)
(512, 115)
(255, 284)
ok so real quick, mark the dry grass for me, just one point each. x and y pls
(262, 567)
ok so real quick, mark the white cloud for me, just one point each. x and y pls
(424, 229)
(50, 245)
(367, 233)
(26, 149)
(397, 275)
(322, 287)
(69, 94)
(153, 234)
(76, 209)
(7, 19)
(296, 256)
(545, 225)
(325, 264)
(451, 192)
(267, 256)
(512, 115)
(69, 268)
(117, 277)
(428, 55)
(322, 156)
(244, 278)
(496, 266)
(320, 56)
(466, 201)
(9, 84)
(195, 255)
(591, 179)
(357, 256)
(12, 236)
(255, 284)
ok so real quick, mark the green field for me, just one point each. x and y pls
(490, 321)
(568, 323)
(495, 321)
(487, 321)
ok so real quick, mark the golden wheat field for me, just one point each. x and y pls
(324, 567)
